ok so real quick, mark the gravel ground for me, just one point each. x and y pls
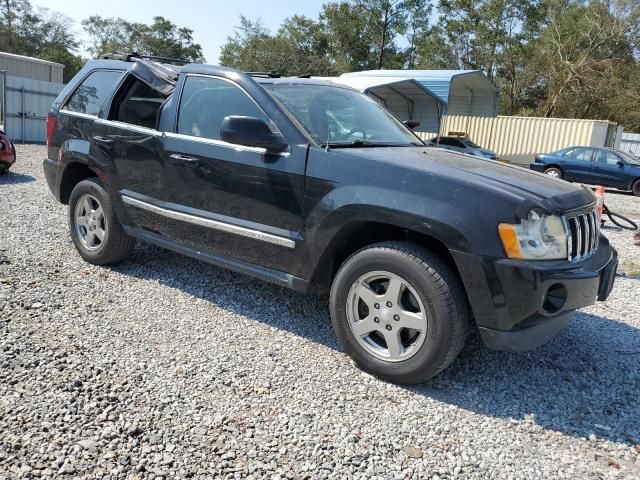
(166, 367)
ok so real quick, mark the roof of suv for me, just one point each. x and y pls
(165, 71)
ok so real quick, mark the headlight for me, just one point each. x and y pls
(539, 237)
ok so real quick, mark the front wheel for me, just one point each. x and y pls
(553, 172)
(636, 188)
(95, 230)
(399, 312)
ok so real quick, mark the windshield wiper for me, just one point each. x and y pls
(362, 144)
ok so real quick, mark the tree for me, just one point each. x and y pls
(586, 55)
(390, 19)
(161, 38)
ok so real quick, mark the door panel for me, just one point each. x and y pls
(578, 166)
(254, 197)
(237, 187)
(135, 161)
(608, 172)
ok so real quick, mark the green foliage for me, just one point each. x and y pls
(161, 38)
(563, 58)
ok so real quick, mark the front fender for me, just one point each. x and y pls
(347, 205)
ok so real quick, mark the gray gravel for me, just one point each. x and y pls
(166, 367)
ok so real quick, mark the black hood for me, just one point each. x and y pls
(527, 187)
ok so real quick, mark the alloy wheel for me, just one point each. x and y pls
(386, 316)
(90, 222)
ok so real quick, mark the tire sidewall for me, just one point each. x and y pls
(432, 354)
(95, 188)
(635, 188)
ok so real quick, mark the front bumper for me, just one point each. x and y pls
(519, 305)
(538, 167)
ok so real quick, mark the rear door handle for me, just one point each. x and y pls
(183, 160)
(103, 141)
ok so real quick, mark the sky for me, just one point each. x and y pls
(212, 21)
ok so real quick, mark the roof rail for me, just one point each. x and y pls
(131, 56)
(269, 74)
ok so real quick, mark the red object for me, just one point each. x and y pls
(51, 126)
(600, 200)
(7, 152)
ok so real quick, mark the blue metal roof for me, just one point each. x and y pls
(436, 81)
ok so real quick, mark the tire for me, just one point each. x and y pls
(91, 212)
(428, 284)
(635, 189)
(553, 172)
(4, 170)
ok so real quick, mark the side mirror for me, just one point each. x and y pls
(620, 163)
(251, 132)
(412, 124)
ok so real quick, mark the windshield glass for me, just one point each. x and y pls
(339, 116)
(471, 144)
(629, 158)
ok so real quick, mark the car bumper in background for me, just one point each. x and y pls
(7, 155)
(519, 305)
(538, 167)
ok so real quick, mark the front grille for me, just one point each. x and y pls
(583, 235)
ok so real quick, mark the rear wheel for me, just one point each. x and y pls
(636, 188)
(95, 231)
(399, 312)
(553, 172)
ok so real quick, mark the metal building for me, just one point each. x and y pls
(28, 67)
(29, 86)
(404, 97)
(462, 92)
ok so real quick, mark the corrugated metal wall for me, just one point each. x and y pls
(630, 142)
(518, 139)
(27, 67)
(28, 102)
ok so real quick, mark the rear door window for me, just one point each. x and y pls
(91, 94)
(206, 101)
(583, 154)
(137, 104)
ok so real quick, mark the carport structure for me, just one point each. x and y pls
(404, 97)
(453, 92)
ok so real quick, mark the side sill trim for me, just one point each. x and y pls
(262, 273)
(209, 223)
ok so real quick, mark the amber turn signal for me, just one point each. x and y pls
(509, 240)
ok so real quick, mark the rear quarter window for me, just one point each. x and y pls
(93, 91)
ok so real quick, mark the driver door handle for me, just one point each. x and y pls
(103, 141)
(183, 160)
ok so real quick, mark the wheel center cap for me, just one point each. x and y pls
(386, 316)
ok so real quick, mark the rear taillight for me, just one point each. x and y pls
(51, 126)
(536, 158)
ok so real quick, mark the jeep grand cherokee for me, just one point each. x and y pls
(315, 186)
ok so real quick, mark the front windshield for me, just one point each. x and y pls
(629, 158)
(471, 144)
(341, 117)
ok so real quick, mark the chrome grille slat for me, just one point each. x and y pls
(583, 232)
(579, 235)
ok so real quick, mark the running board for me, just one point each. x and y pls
(273, 276)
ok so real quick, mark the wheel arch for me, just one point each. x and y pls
(358, 234)
(547, 166)
(74, 172)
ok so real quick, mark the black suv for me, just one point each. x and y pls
(316, 187)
